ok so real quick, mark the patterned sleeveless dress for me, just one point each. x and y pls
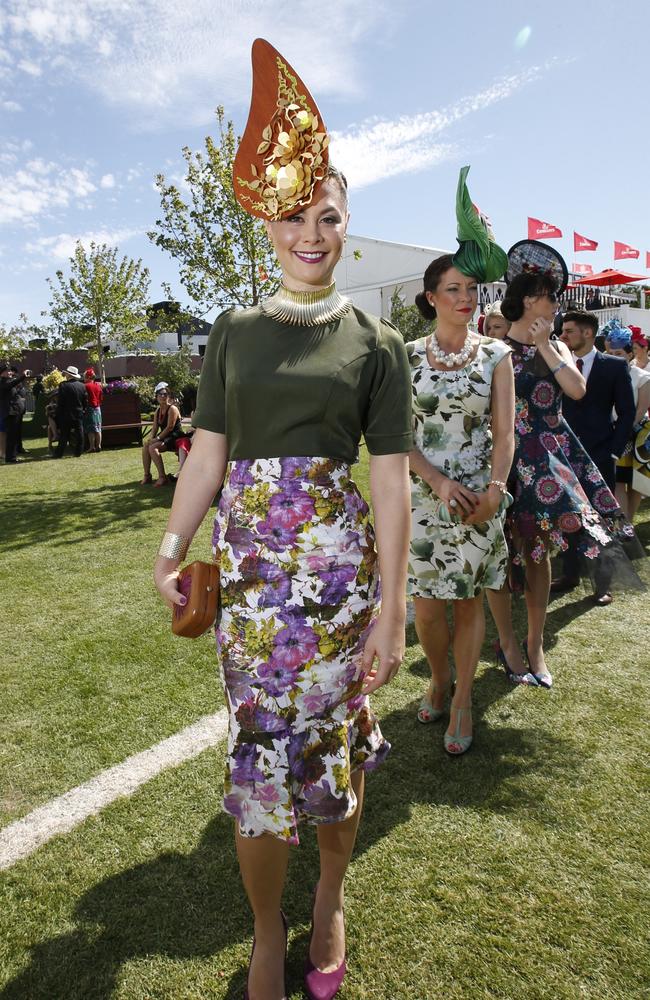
(558, 491)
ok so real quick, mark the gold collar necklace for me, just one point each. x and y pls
(306, 308)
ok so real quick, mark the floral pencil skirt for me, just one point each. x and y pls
(299, 594)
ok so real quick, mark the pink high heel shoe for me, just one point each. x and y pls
(322, 985)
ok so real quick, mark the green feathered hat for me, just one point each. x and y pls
(478, 256)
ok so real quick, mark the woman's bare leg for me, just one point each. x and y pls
(263, 865)
(500, 603)
(469, 632)
(433, 632)
(335, 844)
(52, 434)
(146, 459)
(634, 499)
(158, 462)
(623, 498)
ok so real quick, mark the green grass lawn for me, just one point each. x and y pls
(518, 871)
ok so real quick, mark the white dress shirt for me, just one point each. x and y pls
(587, 362)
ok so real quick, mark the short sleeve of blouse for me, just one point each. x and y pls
(496, 349)
(387, 428)
(210, 412)
(641, 376)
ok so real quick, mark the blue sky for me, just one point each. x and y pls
(548, 103)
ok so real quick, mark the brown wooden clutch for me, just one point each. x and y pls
(199, 582)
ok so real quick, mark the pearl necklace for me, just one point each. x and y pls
(306, 308)
(450, 360)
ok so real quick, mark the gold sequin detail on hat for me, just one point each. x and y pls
(294, 142)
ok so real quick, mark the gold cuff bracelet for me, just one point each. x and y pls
(173, 546)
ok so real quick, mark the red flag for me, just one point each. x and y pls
(583, 243)
(538, 230)
(583, 269)
(623, 252)
(647, 259)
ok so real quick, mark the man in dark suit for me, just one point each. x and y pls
(12, 408)
(71, 402)
(602, 419)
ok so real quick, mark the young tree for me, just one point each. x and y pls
(407, 319)
(224, 254)
(22, 335)
(12, 343)
(176, 370)
(102, 298)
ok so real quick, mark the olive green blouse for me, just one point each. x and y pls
(278, 390)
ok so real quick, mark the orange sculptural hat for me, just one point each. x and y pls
(283, 156)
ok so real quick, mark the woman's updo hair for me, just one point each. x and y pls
(431, 280)
(341, 181)
(525, 285)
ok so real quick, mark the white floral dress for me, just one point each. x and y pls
(449, 560)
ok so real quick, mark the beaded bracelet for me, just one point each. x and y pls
(562, 364)
(501, 486)
(173, 546)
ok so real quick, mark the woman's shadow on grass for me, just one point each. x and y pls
(78, 514)
(180, 906)
(193, 907)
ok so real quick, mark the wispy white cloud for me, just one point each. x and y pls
(50, 22)
(107, 181)
(379, 149)
(29, 67)
(63, 245)
(16, 146)
(40, 187)
(11, 106)
(152, 58)
(11, 149)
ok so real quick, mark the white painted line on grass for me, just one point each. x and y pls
(24, 836)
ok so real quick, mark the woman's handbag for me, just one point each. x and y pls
(199, 583)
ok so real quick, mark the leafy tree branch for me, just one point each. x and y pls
(224, 255)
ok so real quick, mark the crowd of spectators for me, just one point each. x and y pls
(73, 417)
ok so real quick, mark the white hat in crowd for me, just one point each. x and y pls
(72, 372)
(161, 385)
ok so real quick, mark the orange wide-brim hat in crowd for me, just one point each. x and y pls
(283, 157)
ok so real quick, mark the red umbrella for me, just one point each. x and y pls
(610, 277)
